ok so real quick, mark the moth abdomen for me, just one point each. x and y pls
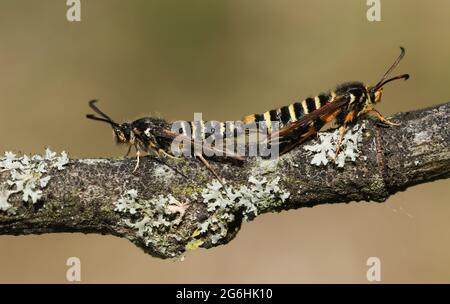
(290, 113)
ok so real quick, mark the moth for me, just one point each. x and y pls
(155, 136)
(344, 105)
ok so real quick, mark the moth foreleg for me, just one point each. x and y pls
(342, 131)
(382, 119)
(138, 154)
(163, 152)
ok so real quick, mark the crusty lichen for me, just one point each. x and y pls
(324, 151)
(93, 161)
(265, 166)
(28, 176)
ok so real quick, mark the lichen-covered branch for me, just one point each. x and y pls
(166, 213)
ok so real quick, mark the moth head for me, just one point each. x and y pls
(122, 132)
(376, 91)
(374, 95)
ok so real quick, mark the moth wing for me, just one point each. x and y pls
(224, 151)
(293, 128)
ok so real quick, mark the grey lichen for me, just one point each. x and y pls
(224, 202)
(324, 150)
(265, 166)
(163, 172)
(152, 219)
(28, 176)
(93, 161)
(421, 137)
(156, 220)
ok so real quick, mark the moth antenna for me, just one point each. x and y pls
(105, 118)
(391, 68)
(98, 111)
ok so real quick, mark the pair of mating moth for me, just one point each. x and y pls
(297, 122)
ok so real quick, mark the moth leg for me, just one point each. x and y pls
(342, 131)
(206, 163)
(129, 150)
(382, 119)
(138, 154)
(162, 152)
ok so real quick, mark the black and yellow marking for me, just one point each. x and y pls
(291, 113)
(310, 104)
(273, 114)
(323, 99)
(299, 110)
(224, 129)
(285, 116)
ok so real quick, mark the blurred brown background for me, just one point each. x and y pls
(226, 59)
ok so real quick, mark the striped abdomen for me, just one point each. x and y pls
(199, 130)
(291, 113)
(353, 92)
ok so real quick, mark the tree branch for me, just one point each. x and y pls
(166, 214)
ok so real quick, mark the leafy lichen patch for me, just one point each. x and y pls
(156, 221)
(152, 219)
(28, 176)
(324, 150)
(224, 202)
